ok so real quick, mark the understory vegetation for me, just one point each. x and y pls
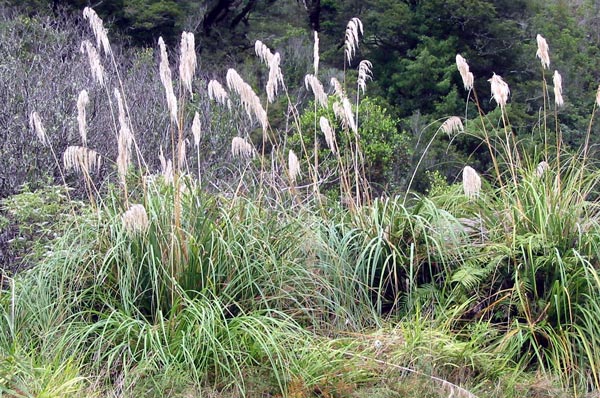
(233, 239)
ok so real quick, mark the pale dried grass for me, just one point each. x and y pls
(293, 165)
(453, 125)
(542, 51)
(317, 88)
(81, 159)
(82, 101)
(328, 132)
(240, 148)
(364, 73)
(187, 62)
(465, 74)
(94, 60)
(500, 90)
(248, 98)
(353, 29)
(557, 80)
(165, 78)
(35, 123)
(471, 182)
(135, 220)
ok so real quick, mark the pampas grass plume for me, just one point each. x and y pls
(353, 29)
(196, 129)
(328, 132)
(541, 168)
(364, 73)
(165, 77)
(317, 88)
(240, 148)
(465, 74)
(217, 92)
(248, 97)
(35, 123)
(453, 124)
(187, 62)
(82, 101)
(98, 28)
(557, 80)
(81, 159)
(471, 182)
(542, 51)
(94, 60)
(135, 220)
(500, 90)
(294, 165)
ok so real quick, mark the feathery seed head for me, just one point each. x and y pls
(500, 90)
(165, 78)
(217, 92)
(353, 29)
(343, 112)
(557, 80)
(364, 73)
(124, 140)
(135, 220)
(196, 129)
(240, 148)
(598, 96)
(471, 182)
(294, 166)
(166, 167)
(328, 132)
(263, 52)
(35, 123)
(337, 87)
(316, 53)
(452, 124)
(275, 77)
(187, 62)
(181, 154)
(542, 51)
(82, 101)
(94, 59)
(248, 97)
(317, 88)
(81, 159)
(98, 28)
(541, 168)
(465, 74)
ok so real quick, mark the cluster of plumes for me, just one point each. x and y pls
(240, 148)
(312, 82)
(166, 168)
(98, 28)
(500, 90)
(541, 168)
(471, 182)
(328, 132)
(316, 54)
(293, 165)
(94, 59)
(364, 73)
(353, 29)
(35, 123)
(135, 220)
(342, 108)
(542, 51)
(196, 129)
(465, 74)
(272, 61)
(82, 101)
(125, 140)
(81, 159)
(165, 78)
(453, 125)
(248, 98)
(217, 92)
(187, 62)
(557, 80)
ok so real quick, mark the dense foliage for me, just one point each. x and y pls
(267, 236)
